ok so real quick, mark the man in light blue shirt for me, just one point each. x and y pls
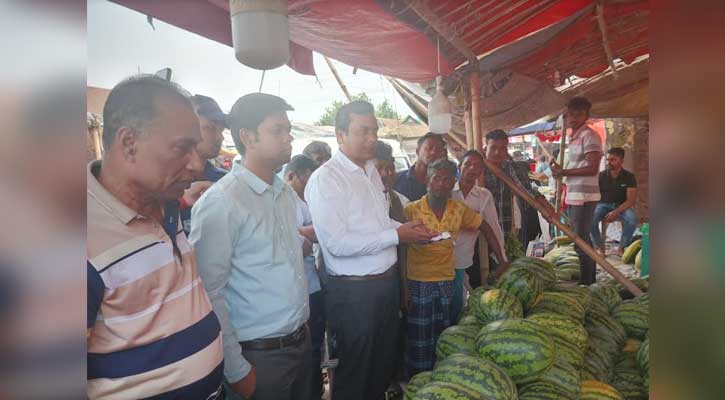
(244, 231)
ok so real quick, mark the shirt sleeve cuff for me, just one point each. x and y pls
(237, 374)
(390, 238)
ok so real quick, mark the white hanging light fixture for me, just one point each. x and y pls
(260, 33)
(439, 107)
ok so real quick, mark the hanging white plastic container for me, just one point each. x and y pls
(260, 33)
(439, 110)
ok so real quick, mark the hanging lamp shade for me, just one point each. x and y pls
(260, 33)
(439, 110)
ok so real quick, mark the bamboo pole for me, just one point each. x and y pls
(337, 77)
(476, 109)
(562, 148)
(469, 130)
(605, 40)
(524, 195)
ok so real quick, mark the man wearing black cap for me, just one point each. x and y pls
(212, 122)
(249, 252)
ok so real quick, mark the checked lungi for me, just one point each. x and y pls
(428, 316)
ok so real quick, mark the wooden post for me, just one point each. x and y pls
(337, 77)
(591, 252)
(476, 109)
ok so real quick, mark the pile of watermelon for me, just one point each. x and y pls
(533, 337)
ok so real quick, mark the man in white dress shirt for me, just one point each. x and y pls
(358, 240)
(480, 200)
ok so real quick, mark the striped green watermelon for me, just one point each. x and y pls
(595, 390)
(445, 391)
(523, 284)
(580, 293)
(415, 383)
(522, 348)
(457, 339)
(470, 320)
(608, 294)
(643, 299)
(560, 303)
(542, 268)
(567, 351)
(626, 361)
(630, 384)
(563, 375)
(563, 327)
(597, 307)
(544, 391)
(605, 325)
(643, 356)
(634, 317)
(477, 374)
(495, 304)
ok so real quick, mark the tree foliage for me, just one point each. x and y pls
(382, 110)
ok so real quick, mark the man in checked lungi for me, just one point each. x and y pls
(430, 266)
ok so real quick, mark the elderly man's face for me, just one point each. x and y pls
(165, 159)
(440, 184)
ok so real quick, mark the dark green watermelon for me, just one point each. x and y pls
(495, 304)
(446, 391)
(524, 284)
(562, 304)
(544, 391)
(563, 327)
(634, 317)
(457, 339)
(477, 374)
(608, 294)
(415, 383)
(521, 348)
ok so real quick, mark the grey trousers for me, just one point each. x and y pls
(281, 373)
(581, 220)
(363, 319)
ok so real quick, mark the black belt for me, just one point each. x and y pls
(390, 272)
(281, 342)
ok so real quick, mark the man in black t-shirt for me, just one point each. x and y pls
(619, 192)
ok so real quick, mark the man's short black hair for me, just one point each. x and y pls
(360, 107)
(579, 104)
(431, 135)
(496, 134)
(442, 164)
(383, 151)
(249, 111)
(616, 151)
(132, 103)
(471, 153)
(299, 165)
(317, 147)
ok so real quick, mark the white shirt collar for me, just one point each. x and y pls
(349, 165)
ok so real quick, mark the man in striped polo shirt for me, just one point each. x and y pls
(151, 329)
(582, 179)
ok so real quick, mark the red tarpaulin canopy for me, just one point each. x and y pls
(387, 37)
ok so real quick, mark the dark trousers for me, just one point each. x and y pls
(581, 220)
(281, 373)
(363, 319)
(317, 337)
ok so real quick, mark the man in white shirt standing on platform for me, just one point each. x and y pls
(480, 200)
(358, 240)
(582, 180)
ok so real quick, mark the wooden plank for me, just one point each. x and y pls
(605, 41)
